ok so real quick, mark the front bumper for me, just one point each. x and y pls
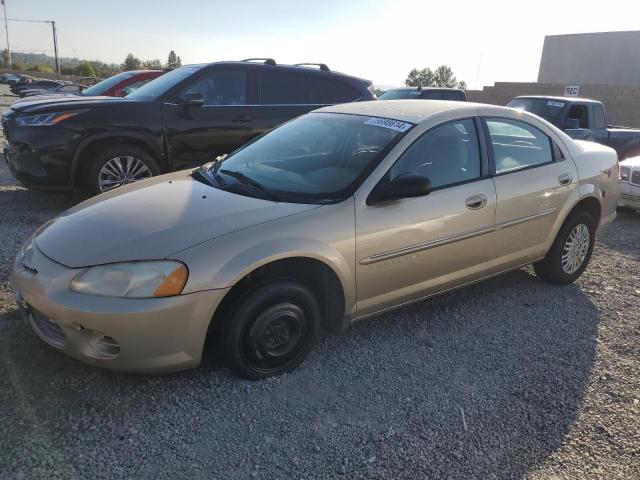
(629, 196)
(144, 335)
(40, 157)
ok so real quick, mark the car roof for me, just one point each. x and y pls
(412, 111)
(424, 89)
(560, 98)
(282, 66)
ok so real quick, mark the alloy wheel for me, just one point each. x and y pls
(122, 170)
(575, 248)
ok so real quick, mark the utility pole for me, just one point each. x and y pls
(6, 28)
(55, 45)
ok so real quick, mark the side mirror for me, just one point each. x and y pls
(120, 93)
(193, 99)
(406, 186)
(571, 124)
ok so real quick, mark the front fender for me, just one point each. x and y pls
(325, 234)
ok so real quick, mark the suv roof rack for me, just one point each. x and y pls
(323, 66)
(266, 61)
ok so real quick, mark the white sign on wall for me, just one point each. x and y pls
(571, 90)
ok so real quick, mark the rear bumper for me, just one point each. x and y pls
(143, 335)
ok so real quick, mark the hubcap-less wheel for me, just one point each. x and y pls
(575, 249)
(120, 171)
(276, 336)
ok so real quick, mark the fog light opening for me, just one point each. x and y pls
(106, 347)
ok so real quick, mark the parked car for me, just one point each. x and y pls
(337, 215)
(630, 183)
(24, 80)
(9, 78)
(118, 85)
(186, 117)
(424, 93)
(122, 84)
(583, 119)
(62, 89)
(42, 85)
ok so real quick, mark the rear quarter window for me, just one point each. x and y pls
(278, 88)
(330, 91)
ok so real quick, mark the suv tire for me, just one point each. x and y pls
(119, 166)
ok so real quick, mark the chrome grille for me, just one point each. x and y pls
(635, 177)
(625, 172)
(47, 329)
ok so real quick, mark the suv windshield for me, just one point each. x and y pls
(317, 158)
(163, 83)
(101, 87)
(550, 110)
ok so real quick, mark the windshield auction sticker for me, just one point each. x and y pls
(396, 125)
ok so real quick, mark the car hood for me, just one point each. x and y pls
(45, 96)
(63, 102)
(152, 219)
(631, 162)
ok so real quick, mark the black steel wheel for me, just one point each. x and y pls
(271, 329)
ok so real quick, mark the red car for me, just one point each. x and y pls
(122, 84)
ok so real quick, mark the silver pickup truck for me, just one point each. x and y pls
(582, 119)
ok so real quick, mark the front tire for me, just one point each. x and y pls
(271, 329)
(571, 250)
(119, 166)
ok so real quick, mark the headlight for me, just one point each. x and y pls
(145, 279)
(46, 118)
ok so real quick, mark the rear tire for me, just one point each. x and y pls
(117, 166)
(571, 250)
(271, 330)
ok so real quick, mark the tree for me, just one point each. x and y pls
(41, 68)
(85, 70)
(441, 77)
(131, 63)
(152, 64)
(173, 61)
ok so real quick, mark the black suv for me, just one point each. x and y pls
(184, 118)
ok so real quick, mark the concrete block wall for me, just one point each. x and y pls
(622, 102)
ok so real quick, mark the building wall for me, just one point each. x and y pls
(622, 102)
(591, 58)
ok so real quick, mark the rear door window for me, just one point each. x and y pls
(221, 87)
(517, 145)
(283, 88)
(330, 91)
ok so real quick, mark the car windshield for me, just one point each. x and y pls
(163, 83)
(101, 87)
(550, 110)
(316, 158)
(400, 94)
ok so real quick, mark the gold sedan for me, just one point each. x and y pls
(343, 213)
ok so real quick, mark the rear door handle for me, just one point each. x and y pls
(564, 179)
(242, 118)
(476, 202)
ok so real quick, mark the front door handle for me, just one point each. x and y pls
(564, 179)
(476, 202)
(242, 118)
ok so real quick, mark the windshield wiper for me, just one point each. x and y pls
(250, 181)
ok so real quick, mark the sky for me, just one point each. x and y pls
(380, 40)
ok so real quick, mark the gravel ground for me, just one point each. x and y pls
(511, 378)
